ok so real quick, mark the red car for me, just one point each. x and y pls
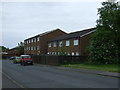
(25, 60)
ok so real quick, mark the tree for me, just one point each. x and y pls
(4, 49)
(104, 45)
(21, 48)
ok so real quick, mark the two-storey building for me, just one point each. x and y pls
(38, 44)
(74, 43)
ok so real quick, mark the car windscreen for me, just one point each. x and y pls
(26, 57)
(17, 57)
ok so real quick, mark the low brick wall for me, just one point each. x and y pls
(54, 59)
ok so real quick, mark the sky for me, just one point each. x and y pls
(21, 20)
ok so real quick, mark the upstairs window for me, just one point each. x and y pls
(54, 44)
(67, 43)
(60, 44)
(29, 41)
(75, 42)
(49, 45)
(38, 39)
(34, 39)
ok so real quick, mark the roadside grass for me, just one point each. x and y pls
(101, 67)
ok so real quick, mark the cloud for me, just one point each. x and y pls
(24, 19)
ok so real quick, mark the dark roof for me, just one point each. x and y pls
(45, 33)
(74, 34)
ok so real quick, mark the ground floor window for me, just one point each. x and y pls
(73, 54)
(68, 54)
(77, 53)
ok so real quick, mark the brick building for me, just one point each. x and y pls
(13, 52)
(74, 43)
(38, 44)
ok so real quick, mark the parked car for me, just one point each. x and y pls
(11, 58)
(16, 60)
(25, 60)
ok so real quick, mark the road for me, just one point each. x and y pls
(41, 76)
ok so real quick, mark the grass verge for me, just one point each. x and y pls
(103, 67)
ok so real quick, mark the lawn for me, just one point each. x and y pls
(103, 67)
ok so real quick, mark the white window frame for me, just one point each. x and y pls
(38, 47)
(54, 44)
(49, 44)
(76, 42)
(29, 41)
(34, 47)
(34, 39)
(68, 54)
(60, 43)
(55, 53)
(58, 53)
(31, 48)
(73, 53)
(68, 43)
(38, 39)
(77, 54)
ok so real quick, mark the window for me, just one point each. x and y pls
(60, 44)
(29, 41)
(48, 53)
(77, 54)
(55, 53)
(52, 53)
(75, 42)
(49, 45)
(65, 53)
(38, 39)
(34, 48)
(34, 39)
(54, 44)
(29, 48)
(37, 47)
(58, 53)
(25, 42)
(68, 53)
(72, 53)
(67, 43)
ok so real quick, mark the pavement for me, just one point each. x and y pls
(90, 71)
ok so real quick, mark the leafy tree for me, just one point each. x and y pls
(104, 45)
(21, 48)
(4, 49)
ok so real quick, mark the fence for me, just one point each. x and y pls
(53, 60)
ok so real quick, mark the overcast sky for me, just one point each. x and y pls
(21, 20)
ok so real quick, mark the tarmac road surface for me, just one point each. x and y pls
(40, 76)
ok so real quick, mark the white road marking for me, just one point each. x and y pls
(21, 86)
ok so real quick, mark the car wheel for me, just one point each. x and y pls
(21, 64)
(24, 64)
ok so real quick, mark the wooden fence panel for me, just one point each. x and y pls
(54, 59)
